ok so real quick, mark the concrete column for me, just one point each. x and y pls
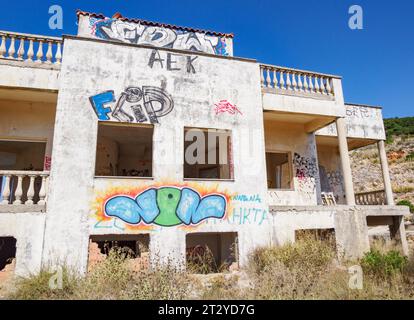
(345, 162)
(397, 232)
(385, 173)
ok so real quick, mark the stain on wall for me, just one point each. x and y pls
(114, 29)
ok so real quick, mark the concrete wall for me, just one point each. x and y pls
(28, 229)
(363, 122)
(292, 138)
(29, 75)
(330, 172)
(76, 208)
(28, 121)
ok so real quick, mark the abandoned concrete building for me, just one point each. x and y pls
(99, 133)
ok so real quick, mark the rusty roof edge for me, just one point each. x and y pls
(152, 23)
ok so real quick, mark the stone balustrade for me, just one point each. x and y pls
(23, 187)
(283, 80)
(370, 198)
(29, 47)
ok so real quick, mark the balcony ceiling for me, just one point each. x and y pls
(29, 95)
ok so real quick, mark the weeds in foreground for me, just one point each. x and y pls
(305, 270)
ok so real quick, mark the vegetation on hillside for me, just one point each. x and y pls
(399, 127)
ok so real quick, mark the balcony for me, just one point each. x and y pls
(23, 191)
(30, 61)
(292, 95)
(364, 126)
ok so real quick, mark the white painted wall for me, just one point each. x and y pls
(71, 205)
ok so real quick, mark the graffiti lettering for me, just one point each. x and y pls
(156, 104)
(247, 198)
(224, 106)
(118, 30)
(167, 207)
(155, 57)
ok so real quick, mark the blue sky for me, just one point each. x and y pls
(377, 63)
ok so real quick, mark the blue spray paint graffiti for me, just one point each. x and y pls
(167, 207)
(156, 103)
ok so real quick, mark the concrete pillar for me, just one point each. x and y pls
(397, 232)
(385, 173)
(345, 162)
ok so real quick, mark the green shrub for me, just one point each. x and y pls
(410, 157)
(37, 287)
(406, 203)
(381, 264)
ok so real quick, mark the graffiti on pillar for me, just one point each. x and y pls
(306, 172)
(226, 107)
(157, 36)
(135, 104)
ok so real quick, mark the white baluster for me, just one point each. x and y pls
(317, 84)
(300, 84)
(19, 190)
(42, 192)
(282, 80)
(329, 86)
(6, 190)
(305, 83)
(275, 83)
(288, 82)
(58, 55)
(262, 78)
(3, 46)
(49, 54)
(39, 54)
(268, 79)
(31, 191)
(311, 88)
(294, 84)
(12, 49)
(30, 52)
(20, 52)
(322, 85)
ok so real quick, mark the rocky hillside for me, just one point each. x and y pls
(400, 150)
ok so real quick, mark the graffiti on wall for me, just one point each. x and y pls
(358, 112)
(135, 104)
(170, 62)
(184, 205)
(306, 172)
(164, 206)
(48, 163)
(226, 107)
(114, 29)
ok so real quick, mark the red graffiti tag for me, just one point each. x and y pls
(225, 106)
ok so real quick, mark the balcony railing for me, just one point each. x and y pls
(23, 187)
(285, 80)
(374, 198)
(30, 47)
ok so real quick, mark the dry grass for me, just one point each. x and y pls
(305, 270)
